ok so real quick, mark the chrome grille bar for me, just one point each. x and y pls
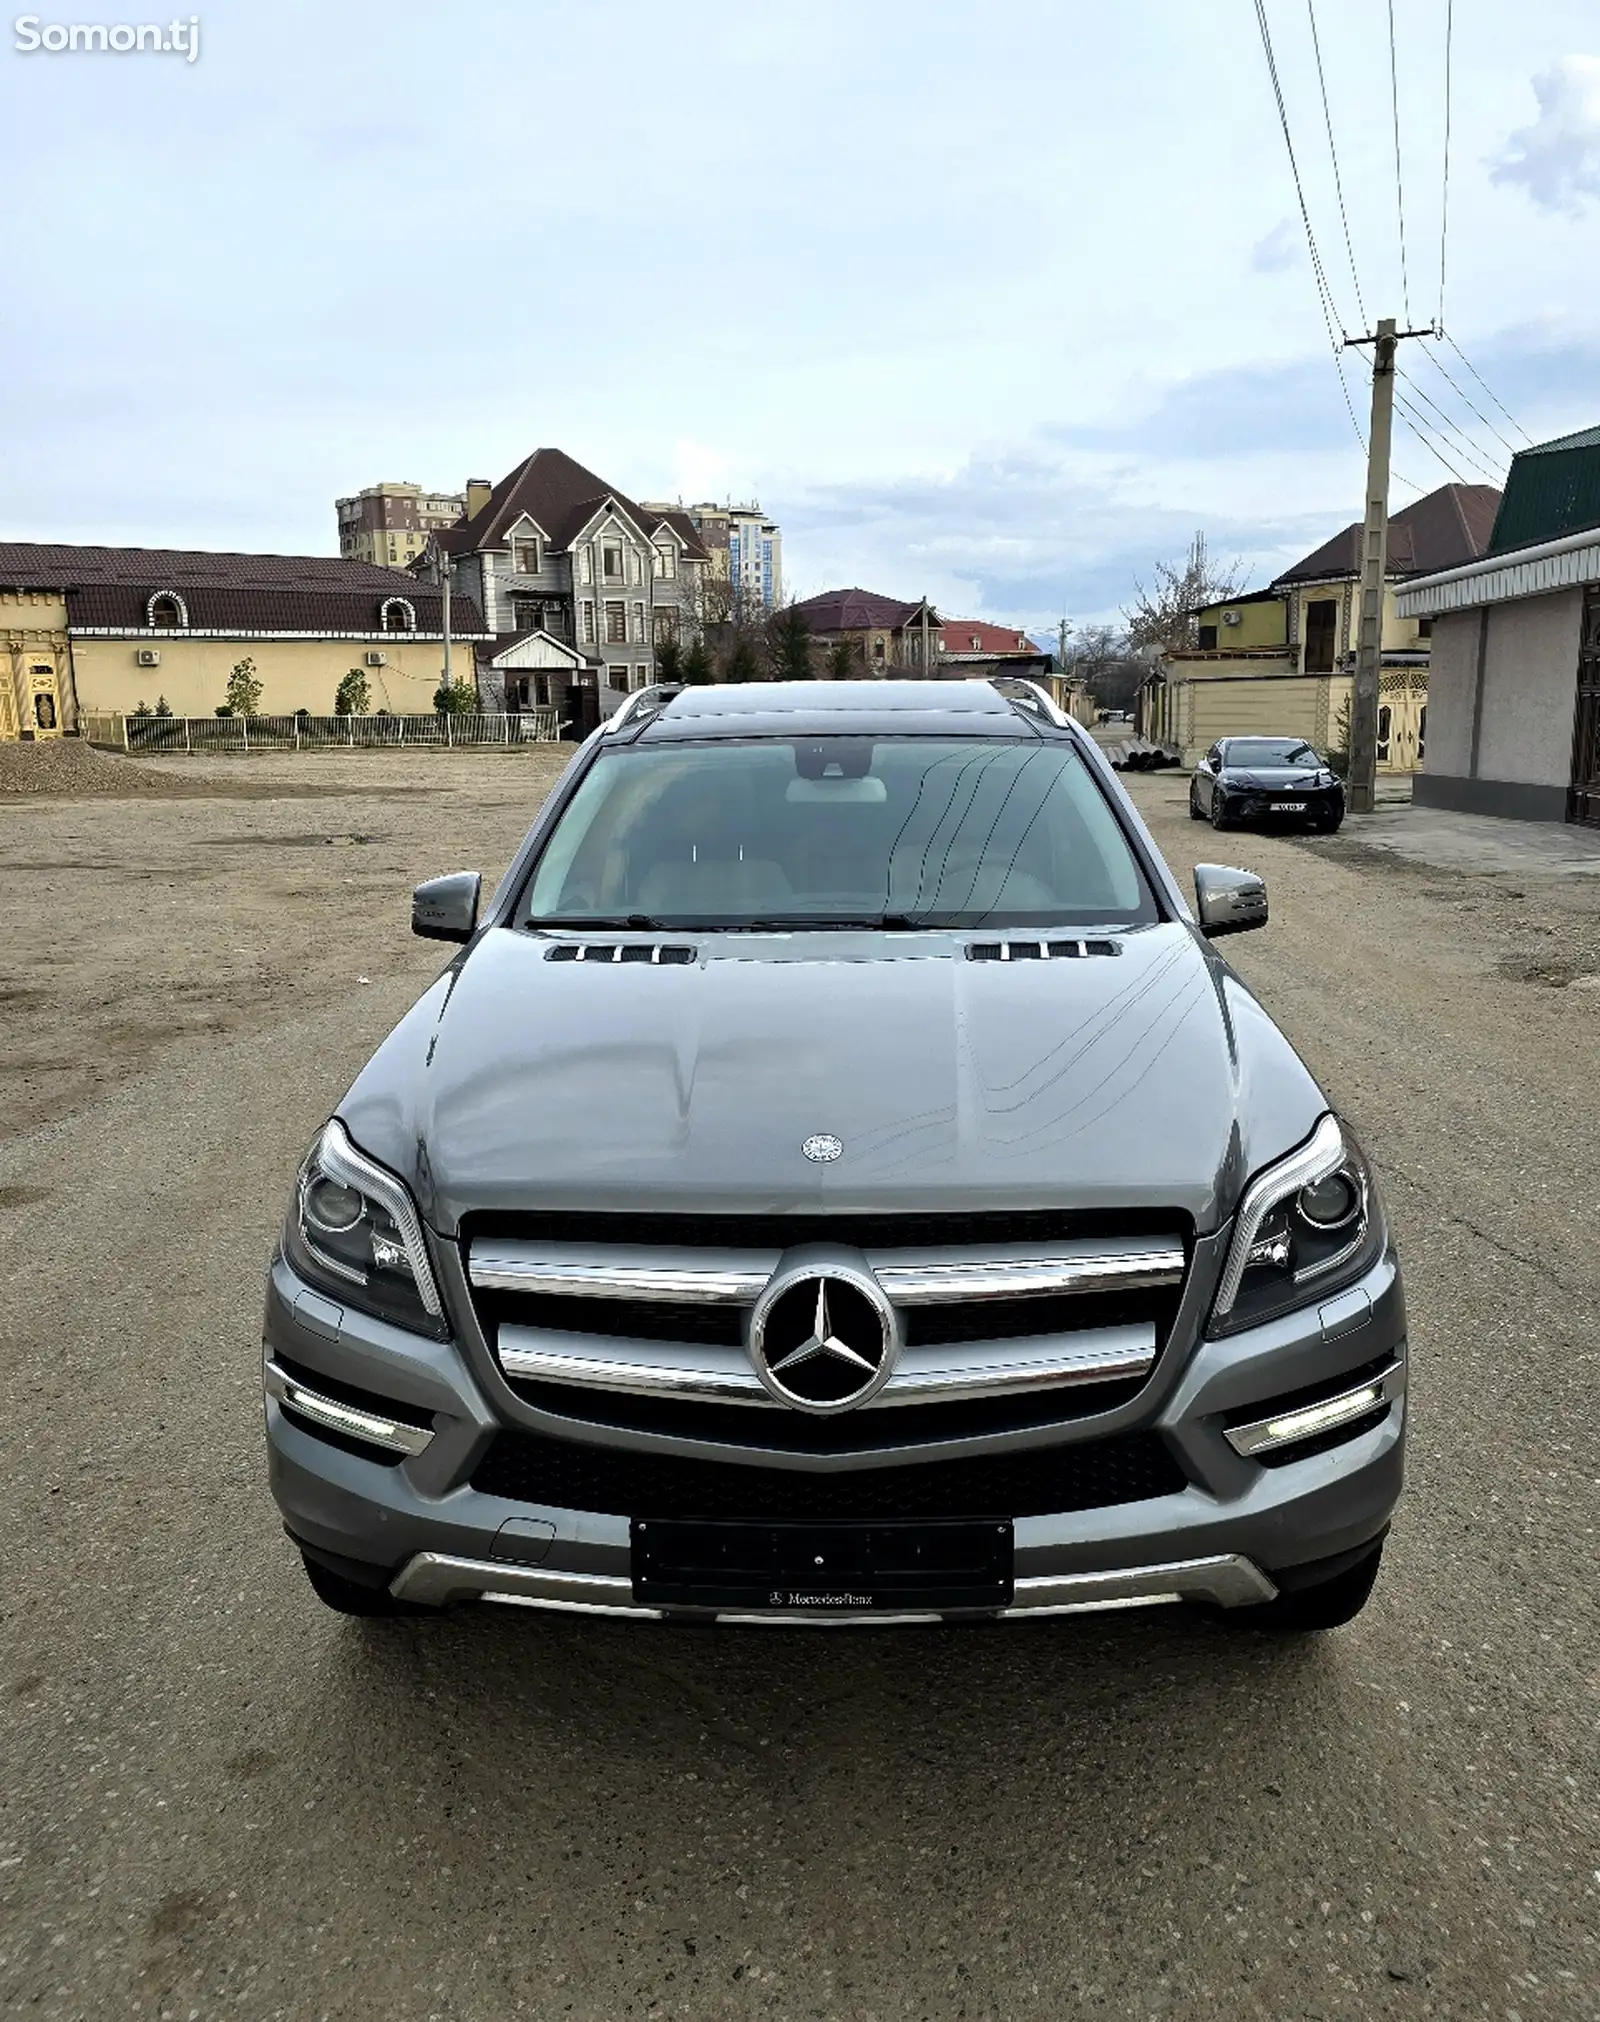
(736, 1278)
(925, 1375)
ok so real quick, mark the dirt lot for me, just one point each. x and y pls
(217, 1800)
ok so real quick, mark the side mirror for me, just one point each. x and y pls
(1228, 901)
(446, 909)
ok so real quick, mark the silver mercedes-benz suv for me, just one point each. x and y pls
(838, 1178)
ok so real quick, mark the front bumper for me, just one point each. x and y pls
(408, 1517)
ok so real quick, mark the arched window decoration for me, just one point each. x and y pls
(167, 609)
(397, 614)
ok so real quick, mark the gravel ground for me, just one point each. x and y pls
(219, 1800)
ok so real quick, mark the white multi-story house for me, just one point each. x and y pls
(578, 583)
(745, 547)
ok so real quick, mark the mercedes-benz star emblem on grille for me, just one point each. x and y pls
(823, 1148)
(823, 1337)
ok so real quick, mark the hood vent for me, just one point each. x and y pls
(652, 952)
(1038, 951)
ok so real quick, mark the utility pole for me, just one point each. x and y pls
(1363, 756)
(445, 565)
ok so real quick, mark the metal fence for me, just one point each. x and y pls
(151, 734)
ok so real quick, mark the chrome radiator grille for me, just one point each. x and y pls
(1059, 1317)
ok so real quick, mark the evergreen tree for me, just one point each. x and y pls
(789, 645)
(669, 661)
(695, 667)
(741, 662)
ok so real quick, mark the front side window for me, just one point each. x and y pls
(841, 831)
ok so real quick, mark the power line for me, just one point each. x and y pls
(1399, 190)
(1467, 450)
(1467, 401)
(1444, 192)
(1467, 362)
(1418, 427)
(1333, 153)
(1330, 315)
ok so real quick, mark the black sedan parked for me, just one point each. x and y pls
(1265, 779)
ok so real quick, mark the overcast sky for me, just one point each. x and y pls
(995, 303)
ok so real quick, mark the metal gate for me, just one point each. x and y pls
(1583, 796)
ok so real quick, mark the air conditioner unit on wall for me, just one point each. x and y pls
(149, 656)
(377, 659)
(1232, 618)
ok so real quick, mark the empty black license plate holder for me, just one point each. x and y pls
(828, 1568)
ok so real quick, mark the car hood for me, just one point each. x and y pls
(1273, 777)
(1148, 1079)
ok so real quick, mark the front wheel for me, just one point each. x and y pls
(1219, 814)
(1328, 824)
(1328, 1605)
(1196, 811)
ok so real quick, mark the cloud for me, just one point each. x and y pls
(1019, 537)
(1279, 250)
(1557, 159)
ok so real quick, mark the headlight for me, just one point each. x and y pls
(1306, 1226)
(354, 1232)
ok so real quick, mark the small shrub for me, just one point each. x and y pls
(223, 709)
(456, 698)
(353, 696)
(141, 708)
(244, 688)
(163, 706)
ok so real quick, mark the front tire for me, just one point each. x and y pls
(1196, 811)
(1312, 1611)
(1219, 814)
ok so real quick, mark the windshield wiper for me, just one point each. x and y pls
(639, 923)
(871, 922)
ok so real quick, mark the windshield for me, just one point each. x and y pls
(1269, 751)
(840, 831)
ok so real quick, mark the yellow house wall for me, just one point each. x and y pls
(1400, 635)
(1210, 709)
(1263, 624)
(294, 673)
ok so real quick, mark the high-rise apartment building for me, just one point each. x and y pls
(746, 548)
(391, 523)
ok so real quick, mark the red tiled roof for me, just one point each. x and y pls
(976, 635)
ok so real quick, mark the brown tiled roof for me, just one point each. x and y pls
(1447, 527)
(859, 611)
(109, 589)
(561, 497)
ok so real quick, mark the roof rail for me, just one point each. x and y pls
(1029, 697)
(641, 705)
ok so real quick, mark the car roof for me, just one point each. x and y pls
(840, 708)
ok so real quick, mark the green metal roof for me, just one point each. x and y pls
(1551, 489)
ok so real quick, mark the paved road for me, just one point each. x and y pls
(220, 1801)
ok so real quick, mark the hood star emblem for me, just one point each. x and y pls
(823, 1341)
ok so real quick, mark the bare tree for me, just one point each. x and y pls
(1104, 660)
(1164, 614)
